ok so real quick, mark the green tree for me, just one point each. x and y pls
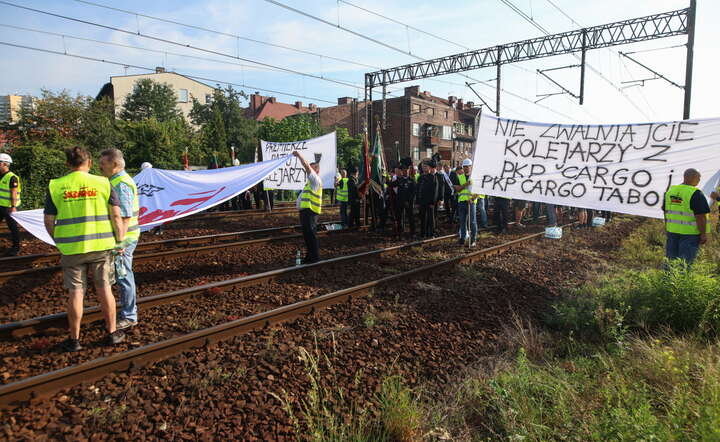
(240, 131)
(348, 148)
(150, 99)
(55, 119)
(37, 165)
(214, 139)
(297, 127)
(162, 143)
(98, 128)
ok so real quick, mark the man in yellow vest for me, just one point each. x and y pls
(341, 194)
(309, 203)
(715, 196)
(9, 201)
(466, 204)
(112, 165)
(82, 214)
(686, 218)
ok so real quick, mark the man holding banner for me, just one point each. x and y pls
(309, 203)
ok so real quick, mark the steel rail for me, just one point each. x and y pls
(54, 257)
(92, 314)
(44, 385)
(228, 214)
(156, 256)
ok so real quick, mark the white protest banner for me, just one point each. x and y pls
(622, 168)
(166, 195)
(291, 175)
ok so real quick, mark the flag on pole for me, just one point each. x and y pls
(364, 170)
(377, 174)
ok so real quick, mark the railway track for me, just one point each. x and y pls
(230, 214)
(44, 385)
(153, 246)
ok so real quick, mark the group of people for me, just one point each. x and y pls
(94, 222)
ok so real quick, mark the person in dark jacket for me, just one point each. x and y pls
(353, 198)
(405, 194)
(427, 198)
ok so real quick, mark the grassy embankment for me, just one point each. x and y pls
(632, 355)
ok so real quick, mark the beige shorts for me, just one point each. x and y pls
(76, 268)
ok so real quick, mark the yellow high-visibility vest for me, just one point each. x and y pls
(5, 193)
(133, 232)
(679, 217)
(342, 190)
(464, 194)
(309, 199)
(82, 224)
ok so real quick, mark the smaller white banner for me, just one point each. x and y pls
(291, 175)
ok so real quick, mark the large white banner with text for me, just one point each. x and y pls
(622, 168)
(291, 175)
(166, 195)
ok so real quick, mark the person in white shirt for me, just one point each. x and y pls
(309, 204)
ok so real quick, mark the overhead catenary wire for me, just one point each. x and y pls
(146, 68)
(537, 25)
(397, 49)
(185, 45)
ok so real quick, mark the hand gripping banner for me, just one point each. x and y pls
(291, 175)
(622, 168)
(166, 195)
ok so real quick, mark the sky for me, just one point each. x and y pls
(461, 24)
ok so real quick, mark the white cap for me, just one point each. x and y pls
(5, 158)
(145, 165)
(467, 162)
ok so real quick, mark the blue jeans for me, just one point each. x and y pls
(126, 284)
(463, 214)
(683, 247)
(551, 215)
(480, 204)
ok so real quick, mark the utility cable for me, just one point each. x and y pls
(397, 49)
(194, 77)
(537, 25)
(164, 40)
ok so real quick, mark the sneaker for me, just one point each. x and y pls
(125, 323)
(70, 345)
(473, 244)
(521, 225)
(115, 337)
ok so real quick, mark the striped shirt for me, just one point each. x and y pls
(125, 196)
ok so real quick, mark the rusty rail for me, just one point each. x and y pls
(43, 386)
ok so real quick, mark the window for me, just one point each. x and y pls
(428, 152)
(446, 115)
(416, 129)
(416, 153)
(469, 130)
(182, 95)
(208, 98)
(447, 133)
(415, 108)
(430, 111)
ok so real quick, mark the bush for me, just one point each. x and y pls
(36, 165)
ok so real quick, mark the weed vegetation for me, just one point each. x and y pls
(633, 355)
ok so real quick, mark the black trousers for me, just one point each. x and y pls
(427, 220)
(308, 223)
(404, 214)
(501, 214)
(12, 225)
(354, 220)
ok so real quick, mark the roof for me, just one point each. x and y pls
(278, 111)
(161, 73)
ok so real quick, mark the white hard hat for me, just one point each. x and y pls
(467, 162)
(145, 165)
(5, 158)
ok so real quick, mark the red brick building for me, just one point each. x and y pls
(268, 107)
(418, 124)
